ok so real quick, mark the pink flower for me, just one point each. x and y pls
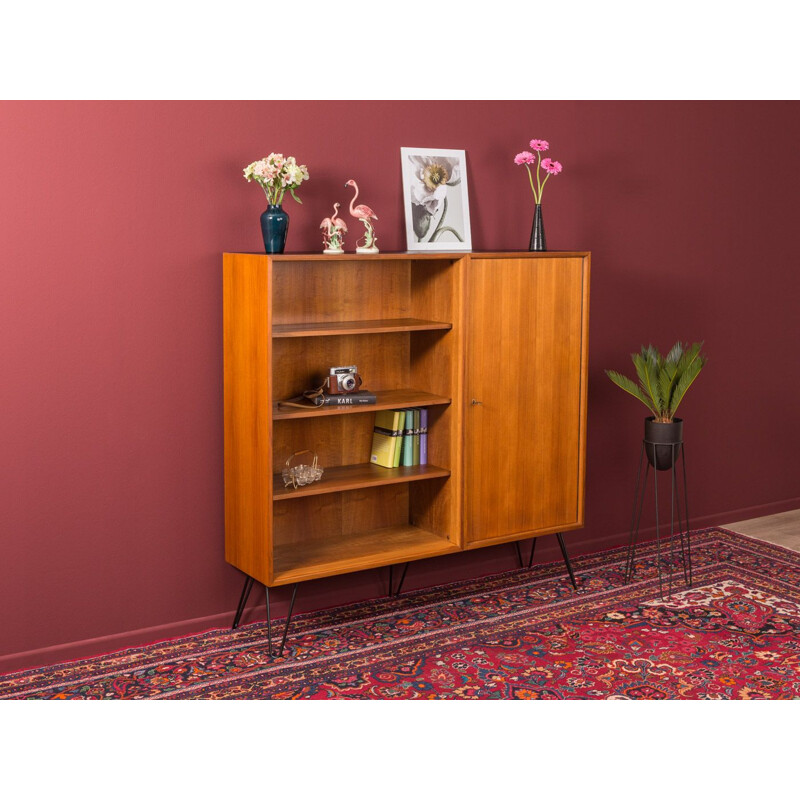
(524, 158)
(553, 167)
(540, 145)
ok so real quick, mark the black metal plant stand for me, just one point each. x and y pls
(248, 585)
(677, 454)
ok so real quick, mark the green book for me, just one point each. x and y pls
(400, 428)
(408, 435)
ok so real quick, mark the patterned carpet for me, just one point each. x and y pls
(521, 634)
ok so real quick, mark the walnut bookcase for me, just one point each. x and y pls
(493, 344)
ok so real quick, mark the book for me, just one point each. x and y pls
(360, 398)
(408, 435)
(415, 438)
(385, 437)
(401, 424)
(423, 436)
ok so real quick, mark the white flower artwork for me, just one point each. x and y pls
(436, 200)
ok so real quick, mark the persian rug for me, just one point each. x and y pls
(522, 634)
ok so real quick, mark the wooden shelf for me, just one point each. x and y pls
(357, 327)
(377, 548)
(394, 398)
(357, 476)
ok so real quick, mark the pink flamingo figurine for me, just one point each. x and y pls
(365, 214)
(334, 230)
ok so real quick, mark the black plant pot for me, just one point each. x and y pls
(662, 442)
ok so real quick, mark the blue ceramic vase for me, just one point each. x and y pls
(274, 227)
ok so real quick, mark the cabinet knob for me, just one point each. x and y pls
(476, 402)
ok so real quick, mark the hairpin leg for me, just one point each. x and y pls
(402, 578)
(288, 620)
(566, 560)
(248, 585)
(519, 555)
(533, 550)
(286, 627)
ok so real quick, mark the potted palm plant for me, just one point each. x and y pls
(663, 383)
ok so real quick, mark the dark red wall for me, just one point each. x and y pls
(113, 217)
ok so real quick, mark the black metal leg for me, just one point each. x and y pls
(402, 578)
(248, 585)
(672, 500)
(519, 554)
(269, 626)
(533, 550)
(566, 560)
(686, 509)
(286, 628)
(658, 527)
(681, 531)
(288, 620)
(638, 507)
(391, 581)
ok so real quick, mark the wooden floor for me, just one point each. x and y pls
(782, 529)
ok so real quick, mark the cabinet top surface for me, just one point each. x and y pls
(424, 256)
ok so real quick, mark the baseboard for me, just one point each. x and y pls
(87, 648)
(102, 645)
(752, 512)
(721, 520)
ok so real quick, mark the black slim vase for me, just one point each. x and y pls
(537, 231)
(662, 442)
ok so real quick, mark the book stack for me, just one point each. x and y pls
(400, 438)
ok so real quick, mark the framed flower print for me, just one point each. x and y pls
(435, 199)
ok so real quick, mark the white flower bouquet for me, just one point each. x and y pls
(276, 175)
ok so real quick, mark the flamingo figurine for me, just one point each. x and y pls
(365, 214)
(334, 230)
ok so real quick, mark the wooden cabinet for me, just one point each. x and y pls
(434, 330)
(524, 420)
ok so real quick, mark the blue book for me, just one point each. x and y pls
(415, 438)
(423, 436)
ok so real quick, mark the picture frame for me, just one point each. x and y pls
(435, 199)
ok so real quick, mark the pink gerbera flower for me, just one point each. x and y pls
(540, 145)
(553, 167)
(524, 158)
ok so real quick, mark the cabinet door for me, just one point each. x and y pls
(525, 396)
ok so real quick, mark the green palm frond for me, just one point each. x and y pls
(672, 359)
(690, 356)
(627, 385)
(687, 378)
(646, 364)
(665, 386)
(674, 355)
(663, 382)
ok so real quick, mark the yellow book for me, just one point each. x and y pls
(385, 438)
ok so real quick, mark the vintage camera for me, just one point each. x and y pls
(342, 380)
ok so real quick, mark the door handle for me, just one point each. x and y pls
(476, 402)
